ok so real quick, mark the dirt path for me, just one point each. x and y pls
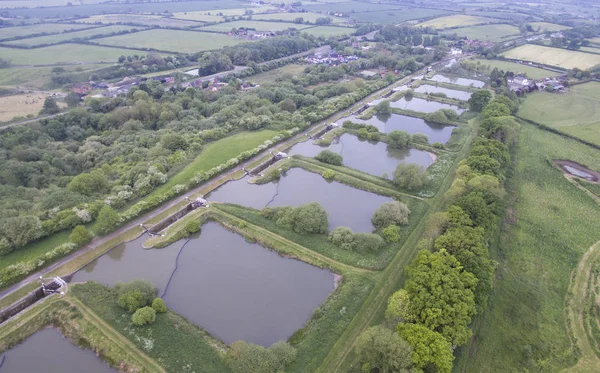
(589, 361)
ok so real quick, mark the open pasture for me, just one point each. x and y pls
(256, 25)
(36, 77)
(48, 28)
(22, 105)
(78, 35)
(140, 19)
(495, 32)
(564, 58)
(456, 20)
(545, 26)
(201, 16)
(327, 31)
(171, 40)
(387, 17)
(518, 68)
(349, 7)
(63, 54)
(271, 76)
(290, 17)
(510, 16)
(576, 112)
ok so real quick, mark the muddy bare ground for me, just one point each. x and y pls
(575, 169)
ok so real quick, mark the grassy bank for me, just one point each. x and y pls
(550, 224)
(172, 341)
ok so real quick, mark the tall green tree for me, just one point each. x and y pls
(80, 235)
(430, 349)
(390, 213)
(381, 350)
(410, 176)
(108, 219)
(479, 99)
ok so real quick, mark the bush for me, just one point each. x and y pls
(311, 218)
(420, 138)
(131, 301)
(373, 136)
(390, 213)
(363, 133)
(383, 108)
(159, 305)
(438, 145)
(391, 233)
(342, 237)
(409, 176)
(398, 139)
(193, 226)
(143, 316)
(328, 175)
(146, 290)
(80, 235)
(327, 156)
(108, 219)
(365, 242)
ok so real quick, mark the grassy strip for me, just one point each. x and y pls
(17, 294)
(341, 357)
(443, 100)
(80, 329)
(592, 187)
(172, 341)
(549, 225)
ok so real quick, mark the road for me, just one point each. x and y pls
(167, 205)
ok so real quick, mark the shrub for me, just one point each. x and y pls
(159, 305)
(131, 301)
(410, 176)
(108, 219)
(365, 242)
(328, 175)
(390, 213)
(193, 226)
(311, 218)
(342, 237)
(143, 316)
(398, 139)
(438, 145)
(146, 289)
(80, 235)
(327, 156)
(420, 138)
(363, 133)
(391, 233)
(373, 136)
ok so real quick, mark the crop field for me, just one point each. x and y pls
(564, 58)
(48, 28)
(455, 21)
(171, 40)
(272, 75)
(545, 26)
(496, 32)
(386, 17)
(139, 19)
(63, 53)
(21, 105)
(327, 31)
(80, 35)
(256, 25)
(518, 68)
(547, 230)
(576, 112)
(310, 17)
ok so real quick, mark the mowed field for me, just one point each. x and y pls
(80, 35)
(37, 77)
(496, 33)
(272, 75)
(576, 112)
(517, 68)
(553, 56)
(256, 25)
(140, 19)
(388, 17)
(545, 26)
(48, 28)
(64, 54)
(307, 17)
(171, 40)
(22, 105)
(327, 31)
(455, 21)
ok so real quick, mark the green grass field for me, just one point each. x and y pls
(310, 17)
(171, 40)
(576, 112)
(564, 58)
(455, 21)
(199, 16)
(549, 225)
(272, 75)
(388, 17)
(545, 26)
(496, 32)
(517, 68)
(139, 19)
(327, 31)
(36, 77)
(49, 28)
(85, 34)
(256, 25)
(64, 53)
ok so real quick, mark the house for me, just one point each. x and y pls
(455, 51)
(82, 89)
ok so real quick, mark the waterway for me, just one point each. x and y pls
(423, 106)
(48, 351)
(459, 81)
(231, 288)
(372, 158)
(451, 93)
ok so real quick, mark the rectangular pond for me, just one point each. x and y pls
(48, 351)
(435, 132)
(423, 106)
(345, 206)
(451, 93)
(373, 158)
(233, 289)
(456, 80)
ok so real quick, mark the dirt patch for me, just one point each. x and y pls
(578, 170)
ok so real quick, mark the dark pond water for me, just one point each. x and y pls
(459, 81)
(372, 158)
(48, 351)
(424, 106)
(435, 132)
(452, 93)
(233, 289)
(346, 206)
